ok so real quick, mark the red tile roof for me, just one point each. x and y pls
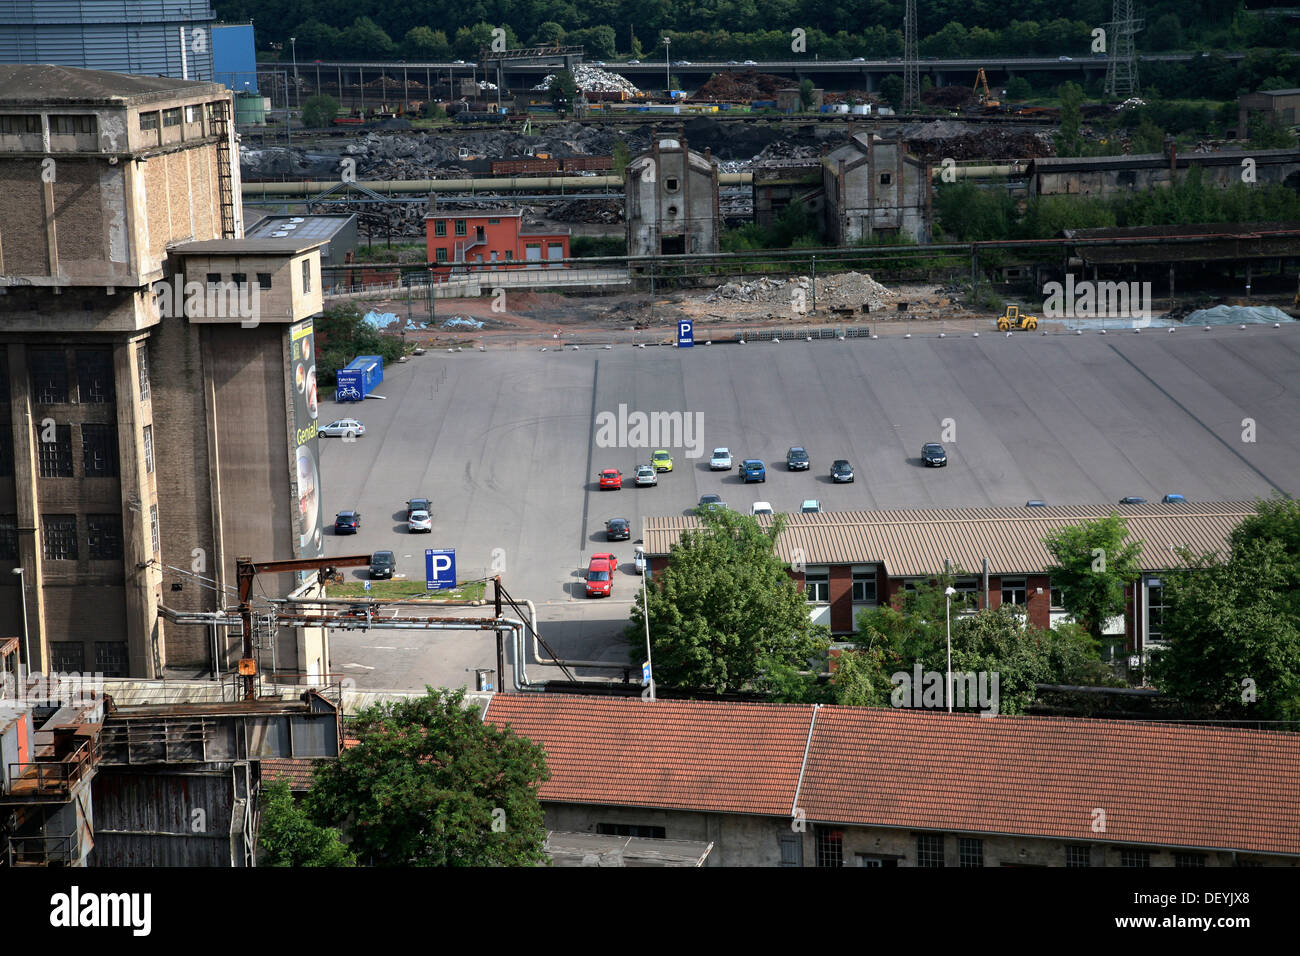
(1165, 784)
(297, 773)
(689, 755)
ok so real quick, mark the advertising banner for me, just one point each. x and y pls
(307, 455)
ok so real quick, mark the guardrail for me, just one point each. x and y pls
(52, 779)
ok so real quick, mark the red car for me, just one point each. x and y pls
(611, 478)
(600, 575)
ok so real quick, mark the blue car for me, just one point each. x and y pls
(751, 469)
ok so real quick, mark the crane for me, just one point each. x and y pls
(982, 94)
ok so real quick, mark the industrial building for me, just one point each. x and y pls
(671, 201)
(858, 560)
(157, 381)
(498, 240)
(875, 189)
(776, 183)
(1281, 105)
(146, 37)
(1102, 176)
(338, 232)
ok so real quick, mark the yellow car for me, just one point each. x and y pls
(662, 460)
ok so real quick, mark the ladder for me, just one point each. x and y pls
(225, 186)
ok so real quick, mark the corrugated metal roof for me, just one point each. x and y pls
(916, 543)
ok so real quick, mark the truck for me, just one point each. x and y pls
(359, 378)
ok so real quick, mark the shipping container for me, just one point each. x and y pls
(360, 377)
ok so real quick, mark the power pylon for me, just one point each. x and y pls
(1121, 66)
(911, 64)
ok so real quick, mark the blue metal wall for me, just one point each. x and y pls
(234, 60)
(168, 37)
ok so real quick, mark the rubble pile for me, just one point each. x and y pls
(608, 211)
(742, 85)
(784, 149)
(838, 291)
(592, 79)
(948, 97)
(952, 139)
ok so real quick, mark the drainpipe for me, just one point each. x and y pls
(986, 582)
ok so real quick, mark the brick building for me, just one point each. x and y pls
(875, 189)
(497, 240)
(855, 560)
(671, 201)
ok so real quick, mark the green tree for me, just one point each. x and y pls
(564, 92)
(1166, 34)
(366, 39)
(319, 111)
(891, 89)
(342, 334)
(1094, 561)
(424, 43)
(1148, 137)
(431, 784)
(1018, 89)
(548, 33)
(806, 94)
(286, 835)
(725, 613)
(1069, 139)
(1267, 132)
(622, 156)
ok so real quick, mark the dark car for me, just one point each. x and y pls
(751, 469)
(1132, 500)
(932, 453)
(796, 459)
(347, 522)
(618, 529)
(418, 504)
(1172, 500)
(841, 470)
(382, 564)
(1035, 504)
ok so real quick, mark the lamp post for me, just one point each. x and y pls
(668, 80)
(297, 95)
(27, 642)
(948, 592)
(645, 605)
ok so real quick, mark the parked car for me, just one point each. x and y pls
(618, 529)
(347, 522)
(418, 504)
(751, 63)
(932, 453)
(382, 564)
(611, 478)
(1065, 59)
(681, 63)
(1035, 503)
(420, 521)
(646, 475)
(721, 460)
(1132, 500)
(662, 460)
(1172, 500)
(712, 503)
(796, 459)
(810, 506)
(633, 62)
(345, 427)
(600, 575)
(841, 470)
(639, 560)
(761, 508)
(751, 469)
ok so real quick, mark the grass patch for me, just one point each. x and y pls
(406, 591)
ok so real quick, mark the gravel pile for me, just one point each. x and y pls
(592, 79)
(848, 290)
(608, 211)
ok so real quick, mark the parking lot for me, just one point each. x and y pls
(505, 443)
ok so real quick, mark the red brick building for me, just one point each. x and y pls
(496, 240)
(854, 560)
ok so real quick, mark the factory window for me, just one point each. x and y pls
(214, 279)
(99, 450)
(8, 537)
(1155, 611)
(142, 369)
(440, 227)
(1058, 599)
(148, 449)
(1135, 858)
(54, 451)
(264, 280)
(886, 179)
(1189, 859)
(6, 451)
(817, 585)
(306, 277)
(72, 125)
(172, 117)
(1013, 591)
(830, 847)
(631, 830)
(110, 658)
(510, 254)
(191, 114)
(104, 537)
(864, 584)
(59, 537)
(239, 278)
(153, 527)
(1078, 855)
(670, 184)
(19, 125)
(95, 376)
(49, 376)
(148, 122)
(929, 849)
(971, 852)
(494, 222)
(67, 657)
(440, 254)
(460, 227)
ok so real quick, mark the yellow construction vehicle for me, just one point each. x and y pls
(1012, 319)
(982, 95)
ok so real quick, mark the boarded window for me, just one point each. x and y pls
(99, 450)
(59, 537)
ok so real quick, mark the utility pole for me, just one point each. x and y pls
(1121, 66)
(911, 65)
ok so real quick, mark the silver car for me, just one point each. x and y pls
(721, 460)
(346, 427)
(419, 521)
(646, 475)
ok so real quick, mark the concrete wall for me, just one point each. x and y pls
(681, 219)
(875, 190)
(1102, 182)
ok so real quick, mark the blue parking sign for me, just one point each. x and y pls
(685, 334)
(439, 569)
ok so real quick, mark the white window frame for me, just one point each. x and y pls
(817, 579)
(860, 574)
(1022, 587)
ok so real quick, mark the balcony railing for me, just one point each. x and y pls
(52, 780)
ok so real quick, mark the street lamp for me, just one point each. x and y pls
(27, 643)
(645, 605)
(948, 592)
(668, 80)
(297, 95)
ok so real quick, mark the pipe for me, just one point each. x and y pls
(314, 187)
(537, 654)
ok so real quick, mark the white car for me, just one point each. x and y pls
(347, 427)
(721, 460)
(751, 63)
(419, 521)
(639, 559)
(646, 475)
(811, 506)
(760, 508)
